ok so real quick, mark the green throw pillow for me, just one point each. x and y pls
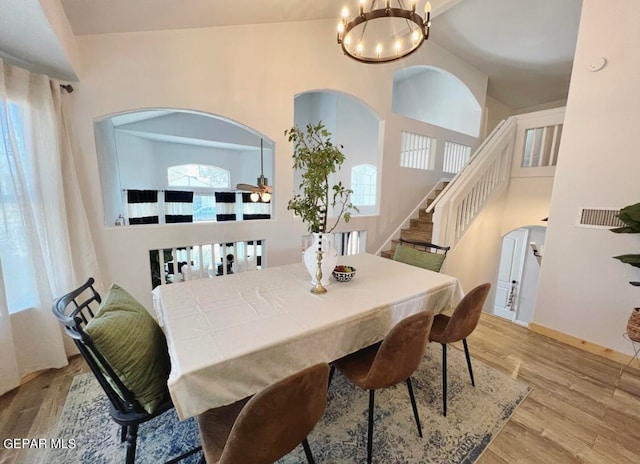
(134, 346)
(424, 259)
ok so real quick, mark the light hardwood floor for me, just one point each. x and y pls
(580, 411)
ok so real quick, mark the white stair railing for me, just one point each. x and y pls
(486, 174)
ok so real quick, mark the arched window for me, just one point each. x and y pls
(363, 184)
(198, 175)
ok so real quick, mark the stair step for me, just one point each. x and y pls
(422, 214)
(422, 225)
(387, 254)
(415, 235)
(420, 230)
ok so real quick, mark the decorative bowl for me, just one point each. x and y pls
(343, 273)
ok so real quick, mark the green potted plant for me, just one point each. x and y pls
(317, 158)
(630, 215)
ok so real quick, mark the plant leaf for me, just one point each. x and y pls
(624, 230)
(633, 260)
(630, 215)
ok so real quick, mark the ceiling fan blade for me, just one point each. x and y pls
(248, 188)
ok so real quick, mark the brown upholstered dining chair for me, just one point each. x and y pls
(388, 363)
(266, 427)
(458, 326)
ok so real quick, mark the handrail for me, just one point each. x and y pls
(487, 173)
(479, 150)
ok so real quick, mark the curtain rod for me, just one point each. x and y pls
(67, 87)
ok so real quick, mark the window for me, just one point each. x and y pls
(198, 175)
(15, 254)
(202, 179)
(204, 207)
(456, 157)
(415, 151)
(363, 184)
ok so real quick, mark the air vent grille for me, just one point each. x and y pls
(599, 218)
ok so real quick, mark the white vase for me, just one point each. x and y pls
(329, 258)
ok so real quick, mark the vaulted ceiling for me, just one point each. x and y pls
(526, 47)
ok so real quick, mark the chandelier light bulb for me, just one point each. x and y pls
(362, 2)
(345, 13)
(413, 5)
(359, 48)
(415, 36)
(266, 196)
(427, 8)
(398, 46)
(347, 40)
(254, 197)
(340, 28)
(379, 50)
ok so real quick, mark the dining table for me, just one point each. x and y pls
(229, 337)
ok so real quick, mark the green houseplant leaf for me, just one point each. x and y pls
(633, 260)
(317, 157)
(630, 215)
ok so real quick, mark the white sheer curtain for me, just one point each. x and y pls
(45, 246)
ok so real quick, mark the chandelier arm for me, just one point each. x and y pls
(364, 28)
(406, 20)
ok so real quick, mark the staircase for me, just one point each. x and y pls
(420, 228)
(453, 204)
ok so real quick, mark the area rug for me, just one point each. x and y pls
(474, 418)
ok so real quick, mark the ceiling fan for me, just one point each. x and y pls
(262, 191)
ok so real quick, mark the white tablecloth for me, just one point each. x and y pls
(229, 337)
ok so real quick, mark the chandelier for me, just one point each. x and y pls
(383, 34)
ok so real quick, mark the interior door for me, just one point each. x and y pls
(514, 247)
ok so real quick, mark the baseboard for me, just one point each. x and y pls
(581, 344)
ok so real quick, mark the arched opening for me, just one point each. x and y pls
(198, 157)
(518, 272)
(355, 126)
(437, 97)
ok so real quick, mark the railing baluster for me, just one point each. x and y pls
(553, 158)
(161, 264)
(543, 147)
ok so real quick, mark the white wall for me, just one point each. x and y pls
(494, 112)
(527, 202)
(249, 74)
(136, 162)
(108, 168)
(583, 291)
(437, 98)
